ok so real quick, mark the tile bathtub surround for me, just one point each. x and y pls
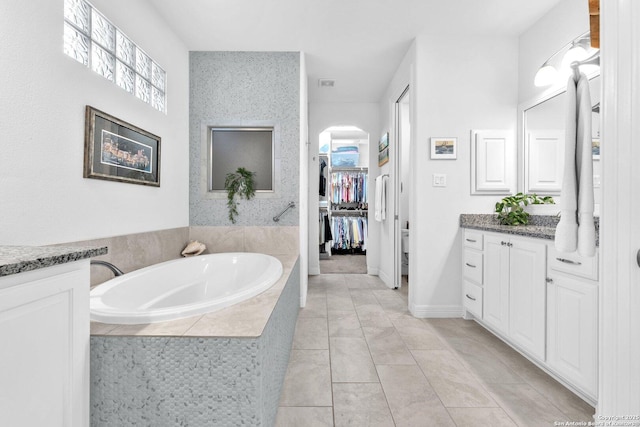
(280, 240)
(374, 364)
(247, 319)
(18, 259)
(134, 251)
(540, 226)
(187, 380)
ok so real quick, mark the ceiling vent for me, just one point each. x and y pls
(326, 82)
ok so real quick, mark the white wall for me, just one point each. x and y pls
(460, 84)
(563, 23)
(321, 116)
(44, 198)
(303, 203)
(403, 77)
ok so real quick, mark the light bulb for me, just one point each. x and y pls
(576, 53)
(546, 76)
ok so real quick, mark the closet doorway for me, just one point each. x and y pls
(343, 200)
(402, 191)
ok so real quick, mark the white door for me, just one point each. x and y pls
(401, 210)
(527, 295)
(493, 162)
(496, 283)
(619, 384)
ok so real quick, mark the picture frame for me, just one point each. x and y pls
(383, 156)
(384, 142)
(595, 148)
(115, 150)
(383, 149)
(444, 148)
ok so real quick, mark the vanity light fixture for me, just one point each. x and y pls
(557, 68)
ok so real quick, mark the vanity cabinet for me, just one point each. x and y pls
(572, 330)
(542, 302)
(44, 361)
(473, 272)
(514, 290)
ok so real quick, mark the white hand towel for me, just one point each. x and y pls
(566, 239)
(576, 229)
(380, 199)
(584, 171)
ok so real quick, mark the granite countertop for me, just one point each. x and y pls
(540, 226)
(18, 259)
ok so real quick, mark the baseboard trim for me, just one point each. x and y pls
(385, 278)
(439, 311)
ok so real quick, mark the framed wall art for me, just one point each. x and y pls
(443, 148)
(119, 151)
(383, 149)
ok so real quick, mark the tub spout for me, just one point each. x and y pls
(116, 271)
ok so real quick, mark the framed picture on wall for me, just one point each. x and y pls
(115, 150)
(443, 148)
(595, 148)
(383, 149)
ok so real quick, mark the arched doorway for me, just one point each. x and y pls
(343, 200)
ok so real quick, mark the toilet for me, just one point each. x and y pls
(405, 251)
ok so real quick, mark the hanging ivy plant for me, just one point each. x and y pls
(239, 183)
(511, 208)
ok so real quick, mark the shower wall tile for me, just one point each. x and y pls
(237, 89)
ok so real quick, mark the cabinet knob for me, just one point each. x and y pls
(503, 243)
(549, 280)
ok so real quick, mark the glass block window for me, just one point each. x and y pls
(91, 39)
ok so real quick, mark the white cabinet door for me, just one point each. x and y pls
(496, 283)
(493, 162)
(527, 295)
(544, 161)
(573, 331)
(44, 356)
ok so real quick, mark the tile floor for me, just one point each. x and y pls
(360, 359)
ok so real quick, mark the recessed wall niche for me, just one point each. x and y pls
(251, 148)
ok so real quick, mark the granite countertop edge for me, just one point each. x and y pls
(19, 259)
(540, 226)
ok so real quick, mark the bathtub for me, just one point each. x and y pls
(183, 287)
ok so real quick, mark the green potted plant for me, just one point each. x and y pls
(511, 211)
(239, 183)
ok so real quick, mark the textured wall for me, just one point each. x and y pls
(191, 381)
(245, 88)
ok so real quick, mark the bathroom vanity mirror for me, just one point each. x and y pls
(542, 142)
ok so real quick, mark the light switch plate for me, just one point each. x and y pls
(439, 180)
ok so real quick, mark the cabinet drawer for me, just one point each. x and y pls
(573, 263)
(472, 239)
(472, 299)
(472, 265)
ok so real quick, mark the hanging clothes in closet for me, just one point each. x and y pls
(349, 233)
(325, 233)
(348, 187)
(322, 188)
